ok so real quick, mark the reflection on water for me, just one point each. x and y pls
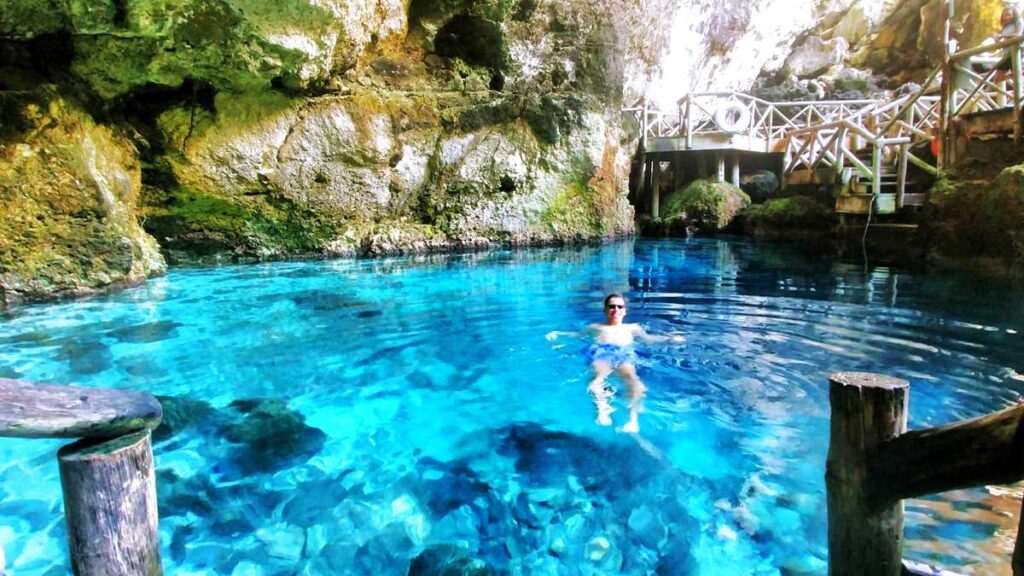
(381, 415)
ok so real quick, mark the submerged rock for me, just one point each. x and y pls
(448, 560)
(271, 435)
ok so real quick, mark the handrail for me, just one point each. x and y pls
(874, 463)
(1004, 43)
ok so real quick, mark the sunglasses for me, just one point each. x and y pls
(616, 306)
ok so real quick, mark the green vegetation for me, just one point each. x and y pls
(572, 212)
(794, 212)
(710, 205)
(974, 219)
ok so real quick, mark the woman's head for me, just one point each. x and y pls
(1010, 14)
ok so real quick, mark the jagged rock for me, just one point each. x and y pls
(69, 189)
(180, 413)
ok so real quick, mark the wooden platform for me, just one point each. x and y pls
(716, 141)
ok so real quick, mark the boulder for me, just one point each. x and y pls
(759, 185)
(270, 435)
(972, 219)
(708, 205)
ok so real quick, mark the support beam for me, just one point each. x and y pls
(719, 167)
(655, 188)
(735, 169)
(863, 537)
(919, 463)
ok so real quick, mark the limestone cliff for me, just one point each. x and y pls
(254, 129)
(250, 129)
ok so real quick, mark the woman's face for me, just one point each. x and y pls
(1006, 17)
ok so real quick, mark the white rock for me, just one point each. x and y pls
(598, 548)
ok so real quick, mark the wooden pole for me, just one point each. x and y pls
(1017, 564)
(989, 450)
(110, 506)
(655, 188)
(863, 537)
(1017, 91)
(901, 174)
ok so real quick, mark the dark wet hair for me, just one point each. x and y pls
(613, 295)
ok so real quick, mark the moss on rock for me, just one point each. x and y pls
(572, 212)
(68, 189)
(795, 215)
(709, 205)
(972, 219)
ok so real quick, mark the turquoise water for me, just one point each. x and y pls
(409, 411)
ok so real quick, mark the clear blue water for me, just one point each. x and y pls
(439, 422)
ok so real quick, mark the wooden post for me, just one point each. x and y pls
(1017, 91)
(901, 174)
(655, 188)
(864, 537)
(719, 167)
(876, 171)
(110, 506)
(648, 180)
(735, 168)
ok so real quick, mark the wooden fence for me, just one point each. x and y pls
(107, 476)
(874, 463)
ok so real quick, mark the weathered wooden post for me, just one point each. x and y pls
(110, 505)
(108, 478)
(865, 536)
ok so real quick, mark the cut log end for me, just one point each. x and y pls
(867, 380)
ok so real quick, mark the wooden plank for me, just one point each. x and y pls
(29, 410)
(863, 537)
(989, 450)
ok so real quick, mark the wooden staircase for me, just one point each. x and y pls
(858, 190)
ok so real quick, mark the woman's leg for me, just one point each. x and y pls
(637, 391)
(596, 388)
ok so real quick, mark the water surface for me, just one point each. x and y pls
(381, 416)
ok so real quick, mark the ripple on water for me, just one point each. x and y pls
(410, 412)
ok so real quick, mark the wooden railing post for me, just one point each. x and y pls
(1017, 91)
(108, 477)
(110, 506)
(864, 536)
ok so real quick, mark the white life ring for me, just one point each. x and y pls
(732, 117)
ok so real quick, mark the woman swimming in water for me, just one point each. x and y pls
(612, 351)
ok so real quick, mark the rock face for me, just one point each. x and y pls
(251, 130)
(247, 130)
(68, 190)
